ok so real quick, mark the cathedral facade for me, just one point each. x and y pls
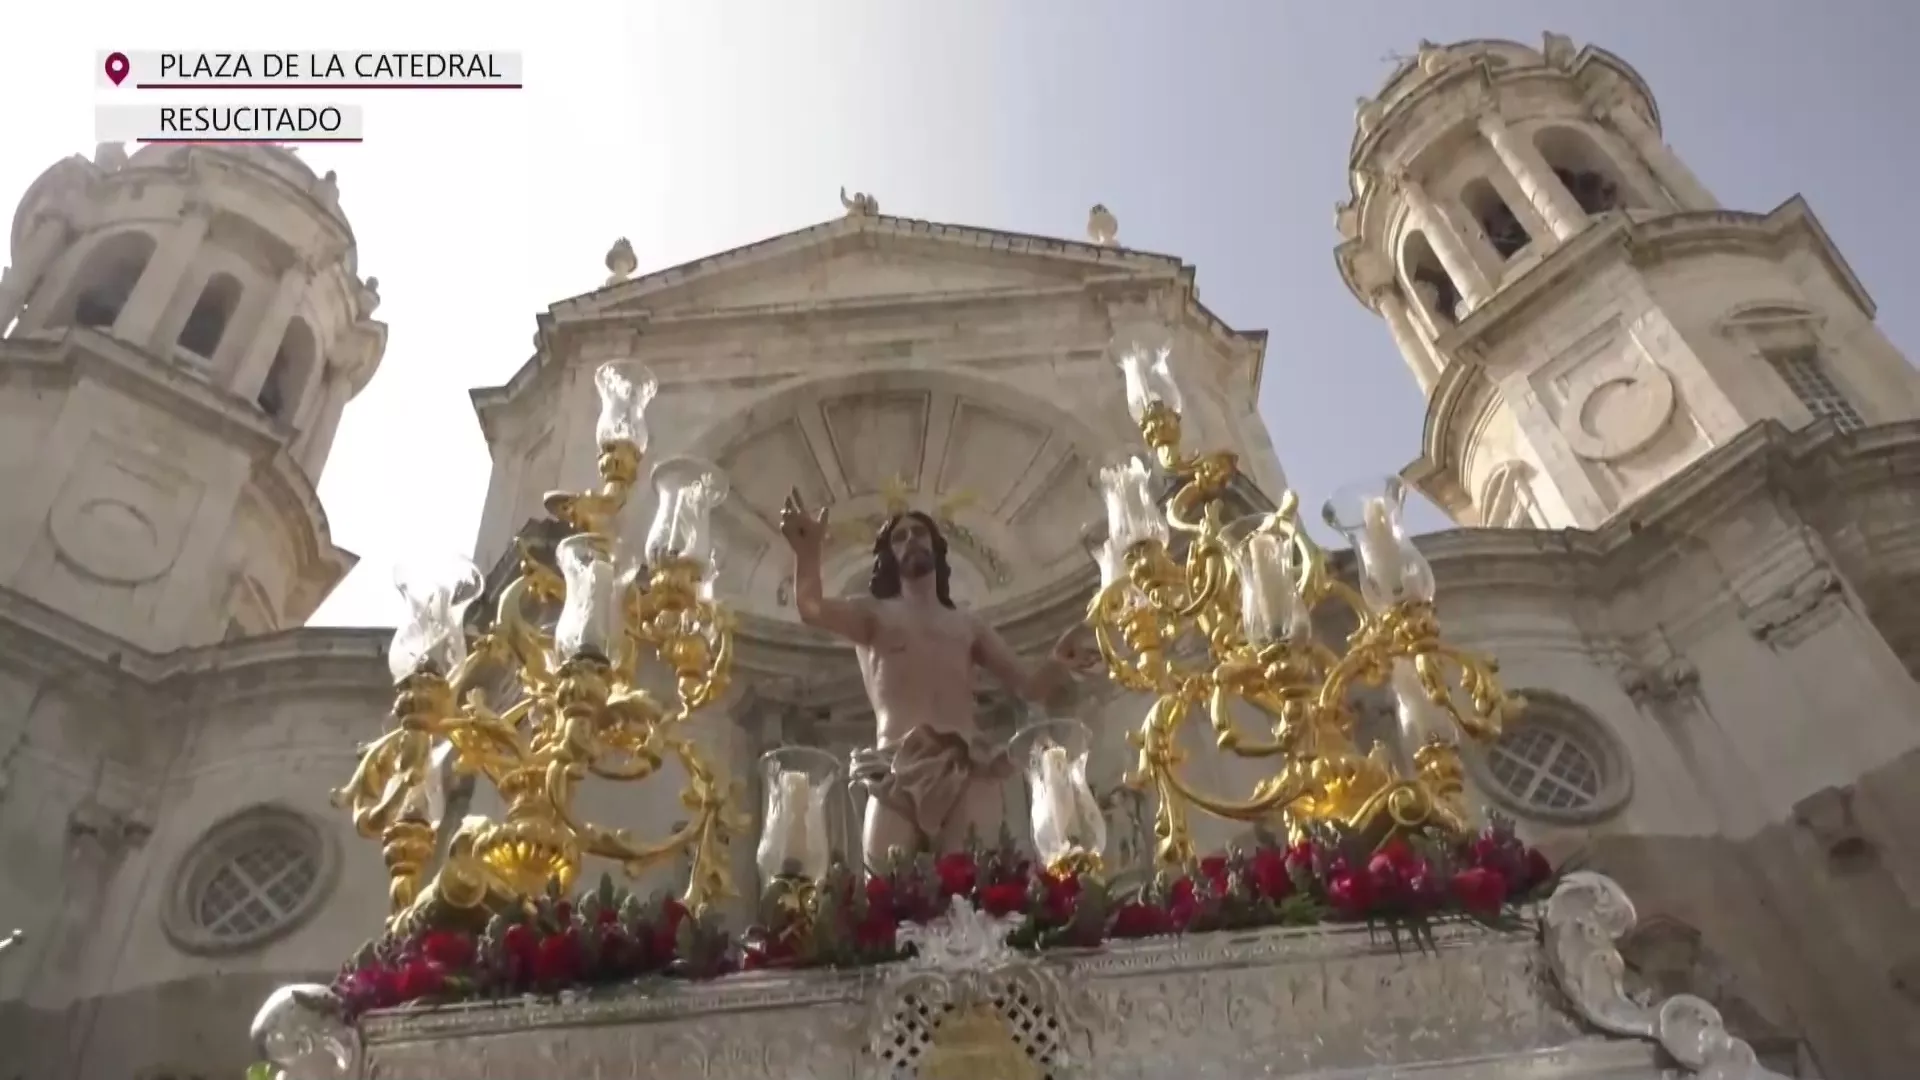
(1683, 458)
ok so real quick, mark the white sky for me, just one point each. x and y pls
(478, 209)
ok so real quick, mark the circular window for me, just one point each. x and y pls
(252, 878)
(1556, 762)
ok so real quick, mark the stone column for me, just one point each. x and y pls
(251, 374)
(1393, 308)
(160, 280)
(1447, 243)
(1535, 177)
(1666, 166)
(318, 438)
(18, 280)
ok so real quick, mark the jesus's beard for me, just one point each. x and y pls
(916, 563)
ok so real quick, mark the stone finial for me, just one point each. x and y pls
(620, 261)
(110, 155)
(1102, 227)
(1366, 115)
(1558, 50)
(330, 186)
(369, 296)
(860, 204)
(1433, 59)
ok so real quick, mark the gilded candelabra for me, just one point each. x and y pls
(1241, 600)
(557, 690)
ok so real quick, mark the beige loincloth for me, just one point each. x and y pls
(925, 775)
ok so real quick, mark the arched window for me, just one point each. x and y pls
(106, 279)
(1428, 280)
(292, 367)
(1496, 219)
(208, 321)
(1584, 169)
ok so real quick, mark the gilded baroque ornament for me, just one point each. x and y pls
(576, 641)
(1246, 591)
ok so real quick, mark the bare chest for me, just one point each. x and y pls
(922, 633)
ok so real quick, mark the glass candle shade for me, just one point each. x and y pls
(591, 618)
(1392, 570)
(795, 840)
(626, 388)
(686, 491)
(1067, 822)
(1145, 358)
(1272, 575)
(432, 635)
(1133, 514)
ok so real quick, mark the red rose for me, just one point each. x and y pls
(558, 959)
(563, 912)
(1489, 852)
(450, 949)
(418, 978)
(1268, 869)
(520, 943)
(1480, 890)
(1137, 920)
(1398, 853)
(1005, 898)
(607, 915)
(1214, 869)
(1350, 894)
(375, 987)
(879, 928)
(957, 872)
(617, 955)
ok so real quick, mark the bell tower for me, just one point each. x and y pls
(1584, 317)
(182, 330)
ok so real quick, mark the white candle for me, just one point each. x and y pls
(788, 833)
(1380, 549)
(1056, 785)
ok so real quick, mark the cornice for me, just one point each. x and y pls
(81, 354)
(618, 304)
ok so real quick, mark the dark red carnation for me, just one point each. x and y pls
(417, 978)
(1350, 893)
(957, 872)
(450, 949)
(1300, 859)
(1006, 898)
(1480, 890)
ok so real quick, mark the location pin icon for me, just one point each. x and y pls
(117, 67)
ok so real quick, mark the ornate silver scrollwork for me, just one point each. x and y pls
(301, 1031)
(1588, 915)
(963, 966)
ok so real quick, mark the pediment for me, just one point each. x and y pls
(861, 259)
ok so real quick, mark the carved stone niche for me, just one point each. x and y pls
(1827, 816)
(1665, 956)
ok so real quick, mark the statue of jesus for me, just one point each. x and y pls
(932, 778)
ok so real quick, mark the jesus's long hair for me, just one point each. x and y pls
(885, 582)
